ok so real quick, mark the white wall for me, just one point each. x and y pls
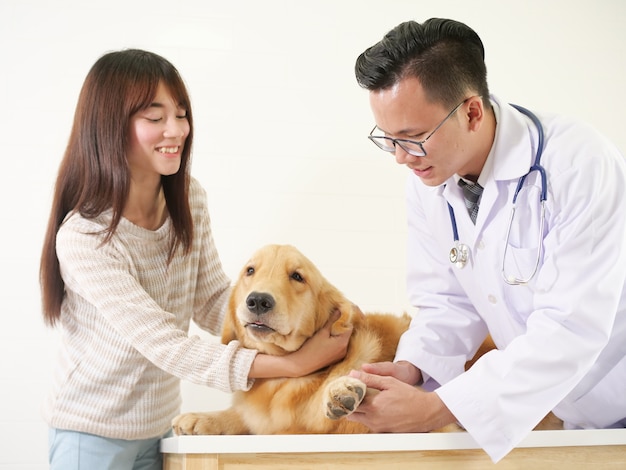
(280, 136)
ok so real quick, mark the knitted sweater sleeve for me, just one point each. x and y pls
(125, 290)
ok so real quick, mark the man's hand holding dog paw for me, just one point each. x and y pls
(399, 407)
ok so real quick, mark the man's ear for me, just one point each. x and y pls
(475, 113)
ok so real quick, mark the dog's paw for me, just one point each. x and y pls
(196, 424)
(342, 396)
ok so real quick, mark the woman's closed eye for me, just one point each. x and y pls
(180, 116)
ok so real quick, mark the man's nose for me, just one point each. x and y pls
(402, 156)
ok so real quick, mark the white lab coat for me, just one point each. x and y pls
(562, 337)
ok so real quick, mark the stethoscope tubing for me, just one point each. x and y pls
(459, 254)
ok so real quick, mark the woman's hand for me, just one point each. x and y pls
(322, 349)
(319, 351)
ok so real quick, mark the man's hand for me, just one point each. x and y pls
(401, 370)
(398, 406)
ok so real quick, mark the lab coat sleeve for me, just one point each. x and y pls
(446, 330)
(576, 300)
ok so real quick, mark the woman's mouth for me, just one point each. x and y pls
(168, 150)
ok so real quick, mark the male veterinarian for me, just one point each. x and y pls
(548, 284)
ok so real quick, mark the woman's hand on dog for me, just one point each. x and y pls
(319, 351)
(322, 349)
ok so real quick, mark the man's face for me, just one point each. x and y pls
(403, 112)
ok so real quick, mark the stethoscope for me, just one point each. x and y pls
(459, 254)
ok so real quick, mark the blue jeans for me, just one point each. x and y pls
(71, 450)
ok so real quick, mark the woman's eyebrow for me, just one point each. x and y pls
(156, 104)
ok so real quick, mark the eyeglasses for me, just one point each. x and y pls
(412, 147)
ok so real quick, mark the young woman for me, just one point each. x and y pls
(128, 260)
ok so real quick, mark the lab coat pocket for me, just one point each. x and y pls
(522, 250)
(526, 220)
(519, 263)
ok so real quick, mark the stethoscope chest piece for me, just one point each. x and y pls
(459, 254)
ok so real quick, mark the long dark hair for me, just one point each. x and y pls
(94, 174)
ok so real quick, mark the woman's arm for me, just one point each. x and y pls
(317, 352)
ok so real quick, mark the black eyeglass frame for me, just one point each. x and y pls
(379, 140)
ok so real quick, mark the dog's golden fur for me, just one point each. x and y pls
(302, 301)
(279, 300)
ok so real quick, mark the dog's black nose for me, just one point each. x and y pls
(260, 303)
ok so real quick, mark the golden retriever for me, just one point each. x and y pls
(279, 300)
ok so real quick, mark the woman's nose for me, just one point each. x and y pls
(176, 128)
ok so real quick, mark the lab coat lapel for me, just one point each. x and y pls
(509, 159)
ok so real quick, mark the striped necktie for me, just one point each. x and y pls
(471, 193)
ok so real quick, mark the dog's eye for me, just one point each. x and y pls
(250, 271)
(296, 276)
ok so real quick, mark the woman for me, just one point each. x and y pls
(128, 259)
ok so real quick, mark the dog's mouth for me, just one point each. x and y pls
(259, 327)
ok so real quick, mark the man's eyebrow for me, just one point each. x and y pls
(409, 131)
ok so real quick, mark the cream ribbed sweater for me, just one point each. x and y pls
(124, 324)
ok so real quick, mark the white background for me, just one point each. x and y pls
(280, 142)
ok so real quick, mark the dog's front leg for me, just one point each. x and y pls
(218, 422)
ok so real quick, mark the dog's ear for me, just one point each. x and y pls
(229, 332)
(350, 314)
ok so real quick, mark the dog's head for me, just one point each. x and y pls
(280, 299)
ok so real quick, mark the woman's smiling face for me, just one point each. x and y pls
(157, 137)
